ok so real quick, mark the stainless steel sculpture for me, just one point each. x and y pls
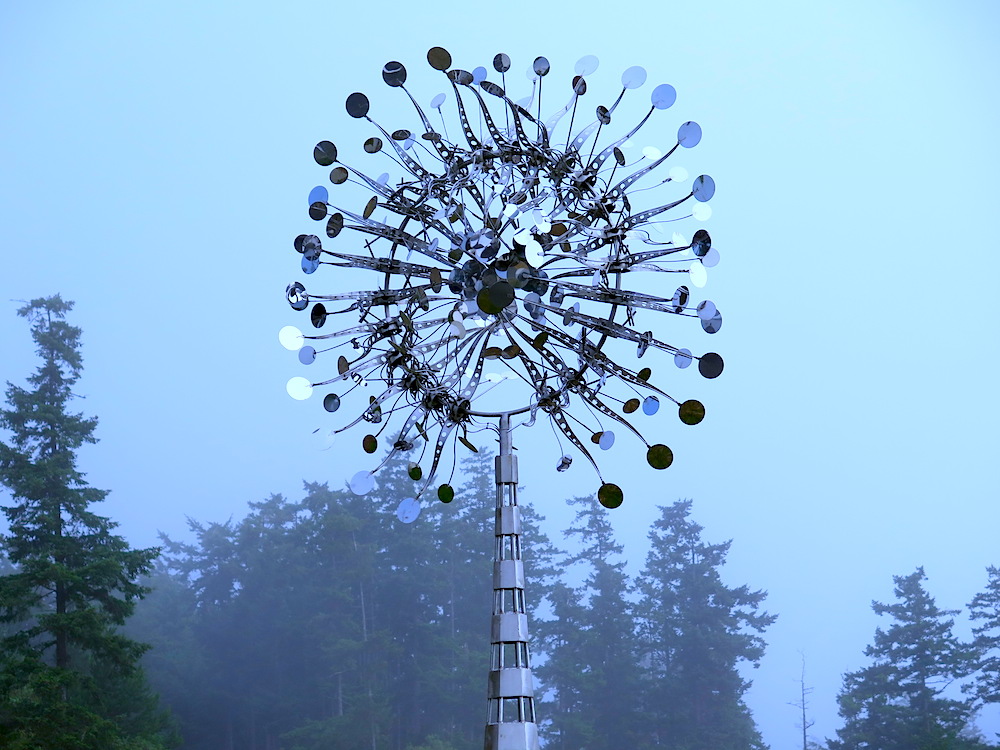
(502, 257)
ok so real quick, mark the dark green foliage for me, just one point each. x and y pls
(984, 611)
(563, 711)
(47, 708)
(35, 712)
(592, 670)
(69, 677)
(898, 702)
(696, 632)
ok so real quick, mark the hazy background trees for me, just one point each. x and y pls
(984, 611)
(591, 670)
(697, 633)
(323, 622)
(901, 700)
(326, 623)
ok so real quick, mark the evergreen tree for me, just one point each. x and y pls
(269, 617)
(75, 581)
(593, 672)
(696, 632)
(898, 701)
(564, 715)
(7, 628)
(464, 540)
(344, 535)
(329, 624)
(985, 610)
(414, 607)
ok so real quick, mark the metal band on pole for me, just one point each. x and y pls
(510, 723)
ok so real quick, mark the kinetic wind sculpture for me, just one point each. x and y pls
(497, 263)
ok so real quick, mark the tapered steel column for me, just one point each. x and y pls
(510, 723)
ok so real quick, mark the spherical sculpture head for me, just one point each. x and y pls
(509, 262)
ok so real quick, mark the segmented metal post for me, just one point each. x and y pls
(510, 723)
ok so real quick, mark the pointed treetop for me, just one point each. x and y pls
(57, 341)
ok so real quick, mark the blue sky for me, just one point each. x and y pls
(155, 162)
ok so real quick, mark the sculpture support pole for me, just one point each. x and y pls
(510, 723)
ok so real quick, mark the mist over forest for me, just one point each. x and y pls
(326, 622)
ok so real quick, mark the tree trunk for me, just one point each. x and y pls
(62, 642)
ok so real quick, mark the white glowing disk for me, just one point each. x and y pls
(698, 274)
(533, 252)
(290, 337)
(677, 174)
(299, 388)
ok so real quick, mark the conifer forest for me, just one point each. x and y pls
(313, 623)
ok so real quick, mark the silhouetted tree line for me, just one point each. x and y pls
(326, 623)
(923, 685)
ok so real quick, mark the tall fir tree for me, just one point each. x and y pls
(592, 674)
(899, 701)
(984, 611)
(75, 581)
(564, 713)
(696, 632)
